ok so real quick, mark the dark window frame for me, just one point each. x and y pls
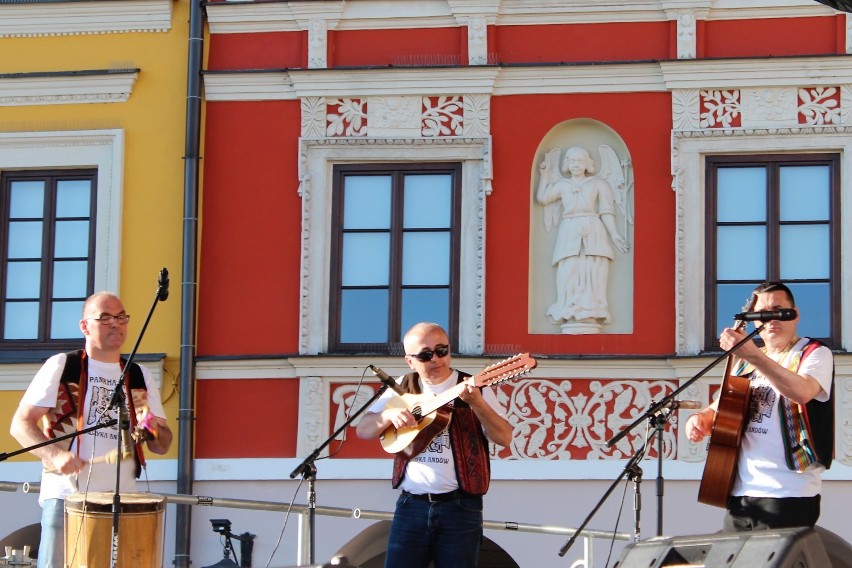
(397, 172)
(772, 163)
(50, 177)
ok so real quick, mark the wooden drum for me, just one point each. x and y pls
(88, 530)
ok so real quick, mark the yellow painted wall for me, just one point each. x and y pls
(153, 120)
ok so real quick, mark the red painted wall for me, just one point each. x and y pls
(771, 38)
(250, 235)
(517, 132)
(246, 418)
(272, 50)
(582, 42)
(428, 46)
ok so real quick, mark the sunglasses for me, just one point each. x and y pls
(440, 352)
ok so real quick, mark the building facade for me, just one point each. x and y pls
(369, 164)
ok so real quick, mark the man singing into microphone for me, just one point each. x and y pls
(789, 434)
(72, 391)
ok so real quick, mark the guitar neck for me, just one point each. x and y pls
(431, 404)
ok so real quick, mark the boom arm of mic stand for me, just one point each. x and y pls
(109, 423)
(655, 408)
(308, 470)
(302, 467)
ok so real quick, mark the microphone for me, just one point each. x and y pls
(126, 444)
(387, 380)
(784, 314)
(684, 405)
(163, 285)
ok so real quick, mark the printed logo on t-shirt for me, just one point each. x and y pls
(435, 449)
(100, 395)
(761, 407)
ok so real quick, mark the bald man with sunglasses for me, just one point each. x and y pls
(438, 515)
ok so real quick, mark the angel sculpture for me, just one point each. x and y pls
(584, 205)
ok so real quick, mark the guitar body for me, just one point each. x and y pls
(414, 439)
(723, 450)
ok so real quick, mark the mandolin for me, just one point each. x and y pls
(723, 449)
(432, 411)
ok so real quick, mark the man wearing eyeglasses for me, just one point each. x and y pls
(72, 391)
(438, 515)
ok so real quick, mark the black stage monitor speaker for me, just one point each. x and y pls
(781, 548)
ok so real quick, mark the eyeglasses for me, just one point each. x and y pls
(440, 352)
(107, 319)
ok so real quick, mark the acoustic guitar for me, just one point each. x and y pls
(432, 412)
(723, 449)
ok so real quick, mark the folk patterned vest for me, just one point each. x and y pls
(469, 445)
(67, 416)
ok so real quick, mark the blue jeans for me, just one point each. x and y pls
(51, 549)
(447, 533)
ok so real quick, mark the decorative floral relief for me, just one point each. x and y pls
(346, 117)
(313, 117)
(720, 109)
(477, 115)
(573, 419)
(442, 116)
(819, 105)
(563, 419)
(685, 105)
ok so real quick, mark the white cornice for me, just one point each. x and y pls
(80, 18)
(248, 17)
(740, 73)
(614, 78)
(289, 85)
(93, 87)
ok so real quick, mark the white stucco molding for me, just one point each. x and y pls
(98, 86)
(317, 158)
(755, 73)
(689, 147)
(248, 17)
(102, 149)
(83, 18)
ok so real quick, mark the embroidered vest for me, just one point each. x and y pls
(67, 416)
(469, 444)
(816, 422)
(807, 431)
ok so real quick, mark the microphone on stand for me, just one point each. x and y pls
(784, 314)
(684, 405)
(387, 380)
(163, 285)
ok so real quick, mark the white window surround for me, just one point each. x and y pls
(688, 151)
(101, 149)
(317, 159)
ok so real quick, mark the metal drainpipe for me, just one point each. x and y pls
(186, 417)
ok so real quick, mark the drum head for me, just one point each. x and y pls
(101, 501)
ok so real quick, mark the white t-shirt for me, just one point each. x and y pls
(762, 468)
(43, 391)
(433, 470)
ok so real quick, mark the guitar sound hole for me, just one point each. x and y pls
(417, 412)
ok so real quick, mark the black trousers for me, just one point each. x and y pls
(756, 513)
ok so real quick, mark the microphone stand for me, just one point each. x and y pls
(656, 414)
(118, 402)
(308, 470)
(109, 423)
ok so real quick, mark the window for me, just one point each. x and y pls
(48, 241)
(395, 254)
(774, 218)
